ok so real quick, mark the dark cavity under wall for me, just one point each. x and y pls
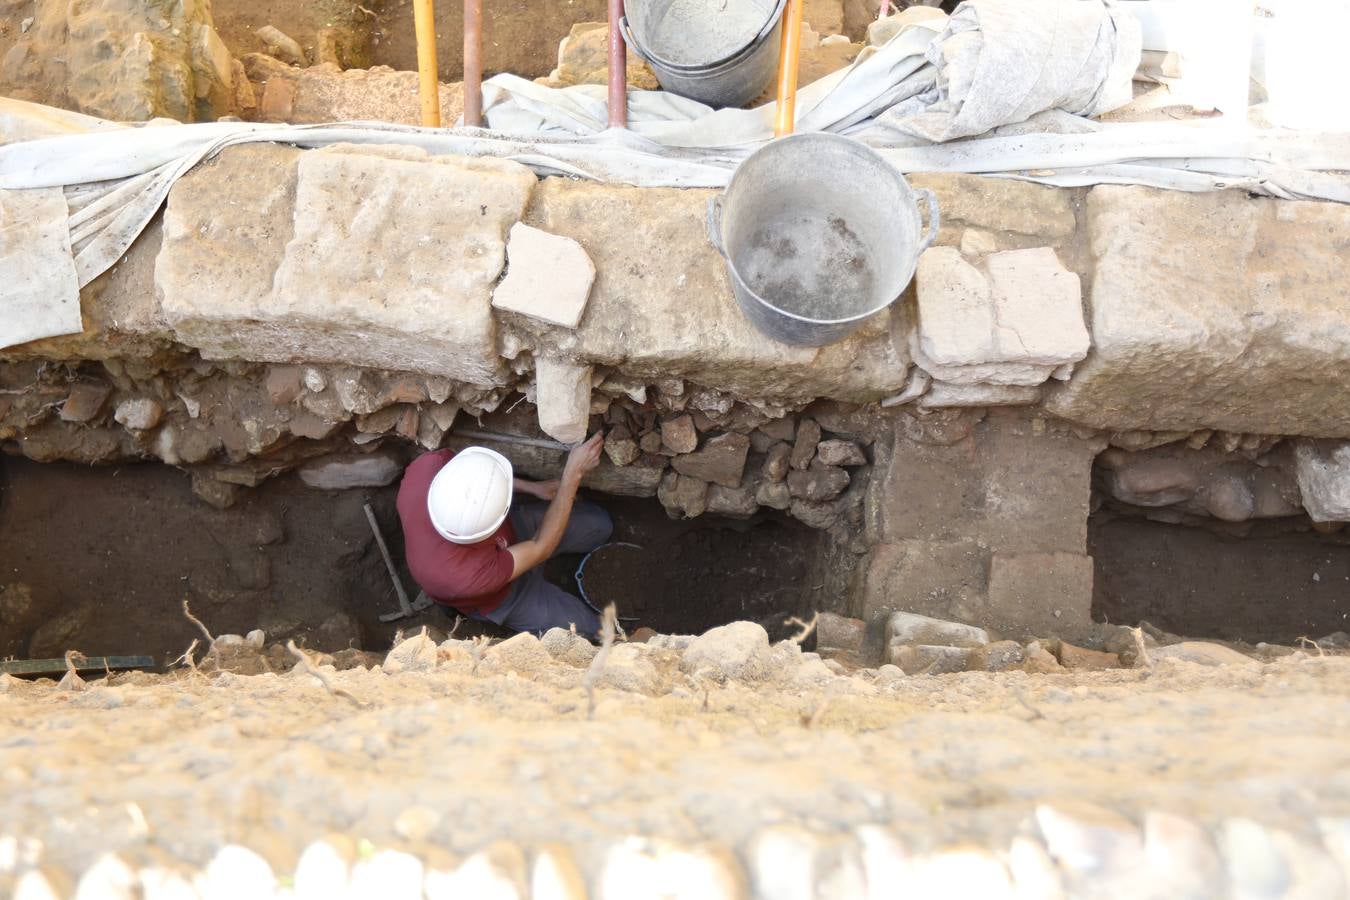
(100, 560)
(1267, 586)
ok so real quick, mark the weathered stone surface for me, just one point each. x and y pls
(943, 579)
(1323, 470)
(85, 401)
(329, 294)
(777, 461)
(1012, 321)
(1039, 594)
(338, 473)
(326, 93)
(923, 659)
(1074, 657)
(1210, 311)
(818, 483)
(583, 59)
(1203, 653)
(1002, 485)
(662, 303)
(737, 502)
(563, 392)
(739, 650)
(139, 413)
(912, 628)
(804, 448)
(841, 453)
(998, 204)
(721, 461)
(836, 632)
(547, 277)
(773, 494)
(679, 434)
(998, 656)
(944, 395)
(679, 493)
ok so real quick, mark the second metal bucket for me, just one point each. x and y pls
(819, 232)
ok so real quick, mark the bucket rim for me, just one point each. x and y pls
(841, 140)
(645, 51)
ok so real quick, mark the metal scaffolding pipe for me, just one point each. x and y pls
(428, 85)
(618, 69)
(473, 63)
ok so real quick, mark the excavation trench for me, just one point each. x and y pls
(100, 559)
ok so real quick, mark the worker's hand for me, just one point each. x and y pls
(544, 490)
(582, 459)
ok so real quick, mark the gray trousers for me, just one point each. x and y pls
(535, 605)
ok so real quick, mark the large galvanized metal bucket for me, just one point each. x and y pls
(718, 52)
(819, 232)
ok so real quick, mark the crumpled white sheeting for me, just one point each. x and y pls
(39, 296)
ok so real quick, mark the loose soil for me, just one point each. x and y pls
(1194, 582)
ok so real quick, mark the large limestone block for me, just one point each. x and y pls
(662, 303)
(1010, 484)
(563, 390)
(940, 579)
(999, 205)
(1039, 595)
(1215, 311)
(388, 262)
(1013, 320)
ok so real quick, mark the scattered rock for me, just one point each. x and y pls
(284, 384)
(522, 653)
(777, 461)
(836, 632)
(817, 483)
(738, 650)
(998, 656)
(1203, 653)
(629, 669)
(926, 659)
(679, 434)
(1040, 661)
(620, 447)
(912, 628)
(817, 515)
(721, 461)
(60, 632)
(773, 494)
(682, 494)
(140, 414)
(835, 452)
(212, 491)
(804, 449)
(85, 401)
(338, 473)
(281, 45)
(1072, 657)
(548, 277)
(414, 654)
(567, 646)
(651, 442)
(1323, 470)
(737, 502)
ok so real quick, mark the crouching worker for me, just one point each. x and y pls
(471, 549)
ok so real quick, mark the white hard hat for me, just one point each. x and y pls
(470, 495)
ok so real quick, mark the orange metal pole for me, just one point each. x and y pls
(786, 116)
(618, 69)
(428, 86)
(473, 63)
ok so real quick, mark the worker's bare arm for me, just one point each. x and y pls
(528, 554)
(544, 490)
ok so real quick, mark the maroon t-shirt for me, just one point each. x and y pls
(472, 578)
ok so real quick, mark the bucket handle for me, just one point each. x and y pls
(933, 223)
(630, 42)
(715, 223)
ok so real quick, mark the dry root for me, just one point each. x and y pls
(210, 641)
(302, 660)
(806, 627)
(608, 625)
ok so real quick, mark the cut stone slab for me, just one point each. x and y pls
(942, 395)
(999, 205)
(380, 261)
(1012, 320)
(547, 276)
(1323, 470)
(924, 659)
(563, 391)
(662, 304)
(943, 579)
(721, 461)
(339, 473)
(912, 628)
(1203, 653)
(1214, 310)
(1039, 595)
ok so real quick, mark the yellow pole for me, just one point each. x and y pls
(786, 116)
(428, 86)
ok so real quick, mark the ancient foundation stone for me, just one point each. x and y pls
(942, 579)
(1039, 594)
(564, 398)
(334, 292)
(1212, 311)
